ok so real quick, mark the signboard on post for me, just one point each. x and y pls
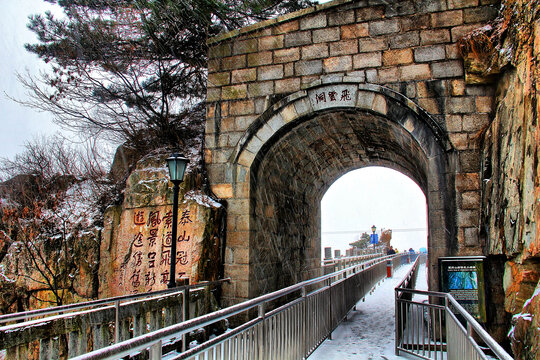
(463, 278)
(374, 239)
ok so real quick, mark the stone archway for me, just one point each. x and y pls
(349, 45)
(297, 148)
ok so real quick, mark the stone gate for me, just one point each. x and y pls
(296, 102)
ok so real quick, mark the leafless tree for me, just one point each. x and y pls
(49, 227)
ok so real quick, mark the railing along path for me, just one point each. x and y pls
(332, 265)
(71, 330)
(312, 310)
(291, 331)
(433, 325)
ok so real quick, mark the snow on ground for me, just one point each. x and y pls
(368, 332)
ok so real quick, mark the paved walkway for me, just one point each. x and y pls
(368, 332)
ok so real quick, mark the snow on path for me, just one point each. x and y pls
(368, 332)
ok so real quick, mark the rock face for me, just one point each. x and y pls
(510, 175)
(50, 245)
(525, 325)
(511, 186)
(135, 252)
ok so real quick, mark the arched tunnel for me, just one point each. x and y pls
(297, 163)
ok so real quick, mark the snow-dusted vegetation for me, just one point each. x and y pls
(50, 228)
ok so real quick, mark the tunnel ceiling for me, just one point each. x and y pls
(312, 155)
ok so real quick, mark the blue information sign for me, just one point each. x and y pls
(374, 238)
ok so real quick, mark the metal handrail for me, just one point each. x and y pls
(479, 330)
(422, 292)
(90, 304)
(326, 262)
(154, 339)
(329, 266)
(466, 341)
(410, 273)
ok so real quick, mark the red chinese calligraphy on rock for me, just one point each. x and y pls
(138, 240)
(167, 219)
(137, 258)
(165, 257)
(166, 240)
(135, 282)
(144, 259)
(152, 259)
(181, 257)
(138, 217)
(149, 278)
(153, 219)
(164, 277)
(152, 237)
(183, 237)
(185, 217)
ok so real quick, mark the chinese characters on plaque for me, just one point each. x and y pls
(333, 96)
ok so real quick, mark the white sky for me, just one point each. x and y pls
(19, 123)
(356, 201)
(373, 196)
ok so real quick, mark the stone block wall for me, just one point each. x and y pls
(408, 46)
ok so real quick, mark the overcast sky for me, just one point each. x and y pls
(358, 200)
(374, 196)
(18, 122)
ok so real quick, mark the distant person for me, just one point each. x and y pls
(411, 250)
(390, 251)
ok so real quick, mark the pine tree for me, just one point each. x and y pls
(134, 69)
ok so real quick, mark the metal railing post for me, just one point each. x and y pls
(156, 351)
(397, 322)
(303, 294)
(262, 333)
(116, 321)
(185, 315)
